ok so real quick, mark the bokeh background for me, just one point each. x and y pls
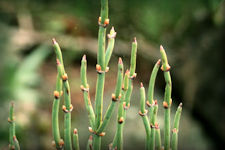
(192, 32)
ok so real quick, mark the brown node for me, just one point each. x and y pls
(65, 110)
(90, 129)
(64, 77)
(133, 76)
(126, 106)
(102, 134)
(143, 114)
(167, 68)
(99, 69)
(84, 89)
(152, 126)
(155, 102)
(148, 104)
(165, 104)
(56, 94)
(114, 98)
(61, 143)
(106, 22)
(9, 120)
(120, 120)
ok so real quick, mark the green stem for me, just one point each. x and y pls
(157, 137)
(115, 97)
(143, 114)
(118, 138)
(128, 93)
(101, 76)
(167, 98)
(90, 143)
(150, 99)
(76, 140)
(57, 94)
(111, 41)
(67, 113)
(176, 127)
(13, 142)
(153, 121)
(85, 89)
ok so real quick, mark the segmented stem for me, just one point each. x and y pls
(57, 95)
(85, 89)
(76, 140)
(118, 138)
(115, 97)
(176, 127)
(167, 98)
(157, 137)
(143, 114)
(128, 93)
(101, 76)
(13, 142)
(67, 113)
(153, 121)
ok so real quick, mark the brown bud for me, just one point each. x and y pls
(141, 85)
(106, 69)
(165, 104)
(121, 120)
(64, 77)
(90, 129)
(171, 101)
(75, 131)
(119, 96)
(106, 22)
(61, 93)
(99, 19)
(113, 97)
(98, 68)
(156, 102)
(61, 142)
(102, 134)
(56, 94)
(84, 58)
(64, 108)
(167, 68)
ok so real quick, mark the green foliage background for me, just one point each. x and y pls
(192, 33)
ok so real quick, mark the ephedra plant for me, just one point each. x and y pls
(121, 97)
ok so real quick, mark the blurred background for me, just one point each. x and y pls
(192, 33)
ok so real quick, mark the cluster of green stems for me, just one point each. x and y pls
(153, 137)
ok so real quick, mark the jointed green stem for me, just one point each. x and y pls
(167, 98)
(13, 142)
(157, 137)
(67, 116)
(85, 89)
(76, 140)
(115, 97)
(101, 76)
(150, 99)
(153, 121)
(143, 114)
(176, 127)
(118, 138)
(128, 93)
(57, 94)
